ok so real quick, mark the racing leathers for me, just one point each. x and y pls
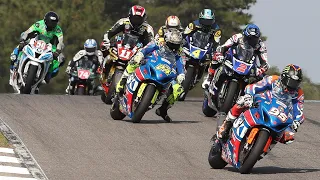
(96, 58)
(215, 32)
(173, 91)
(273, 84)
(145, 33)
(260, 51)
(55, 37)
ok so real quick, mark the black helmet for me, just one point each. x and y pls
(137, 15)
(51, 20)
(291, 77)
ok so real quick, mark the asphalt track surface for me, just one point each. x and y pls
(74, 137)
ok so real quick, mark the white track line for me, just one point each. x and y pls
(15, 178)
(16, 170)
(6, 150)
(9, 159)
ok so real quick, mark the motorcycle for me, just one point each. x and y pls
(82, 79)
(145, 86)
(126, 47)
(254, 133)
(34, 63)
(198, 47)
(230, 79)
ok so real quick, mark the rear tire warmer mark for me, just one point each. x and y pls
(21, 150)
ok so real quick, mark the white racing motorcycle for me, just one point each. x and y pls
(34, 62)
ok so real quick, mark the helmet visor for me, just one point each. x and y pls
(172, 46)
(90, 49)
(136, 20)
(206, 22)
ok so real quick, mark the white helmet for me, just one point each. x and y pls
(90, 46)
(173, 22)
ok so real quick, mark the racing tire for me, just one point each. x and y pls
(81, 90)
(255, 152)
(32, 72)
(103, 97)
(207, 111)
(143, 106)
(115, 112)
(115, 79)
(214, 158)
(187, 82)
(230, 97)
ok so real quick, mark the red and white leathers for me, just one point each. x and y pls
(260, 51)
(267, 83)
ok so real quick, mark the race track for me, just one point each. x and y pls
(74, 137)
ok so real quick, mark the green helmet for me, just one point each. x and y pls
(206, 17)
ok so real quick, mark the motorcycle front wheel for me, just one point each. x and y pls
(32, 72)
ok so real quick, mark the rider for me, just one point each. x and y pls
(134, 24)
(171, 22)
(251, 36)
(173, 41)
(206, 23)
(89, 53)
(49, 28)
(287, 84)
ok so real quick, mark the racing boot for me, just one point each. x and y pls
(120, 85)
(163, 111)
(223, 130)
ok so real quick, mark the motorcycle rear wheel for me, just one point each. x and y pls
(214, 158)
(112, 88)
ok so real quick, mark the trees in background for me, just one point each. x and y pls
(91, 19)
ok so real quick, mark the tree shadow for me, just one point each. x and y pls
(275, 170)
(162, 121)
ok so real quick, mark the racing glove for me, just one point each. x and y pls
(245, 101)
(105, 44)
(181, 78)
(218, 57)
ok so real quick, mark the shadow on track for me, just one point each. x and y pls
(161, 122)
(275, 170)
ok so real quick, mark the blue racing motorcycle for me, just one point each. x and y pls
(145, 86)
(197, 47)
(230, 79)
(254, 133)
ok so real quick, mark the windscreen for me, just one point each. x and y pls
(244, 53)
(167, 54)
(130, 40)
(200, 39)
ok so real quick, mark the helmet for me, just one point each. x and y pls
(173, 39)
(51, 20)
(173, 22)
(137, 15)
(90, 46)
(206, 17)
(251, 34)
(291, 77)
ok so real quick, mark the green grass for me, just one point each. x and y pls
(3, 141)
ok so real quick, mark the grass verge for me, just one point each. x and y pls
(3, 141)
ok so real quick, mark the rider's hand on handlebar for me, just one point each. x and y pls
(218, 57)
(105, 44)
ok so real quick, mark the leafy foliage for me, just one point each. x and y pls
(90, 19)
